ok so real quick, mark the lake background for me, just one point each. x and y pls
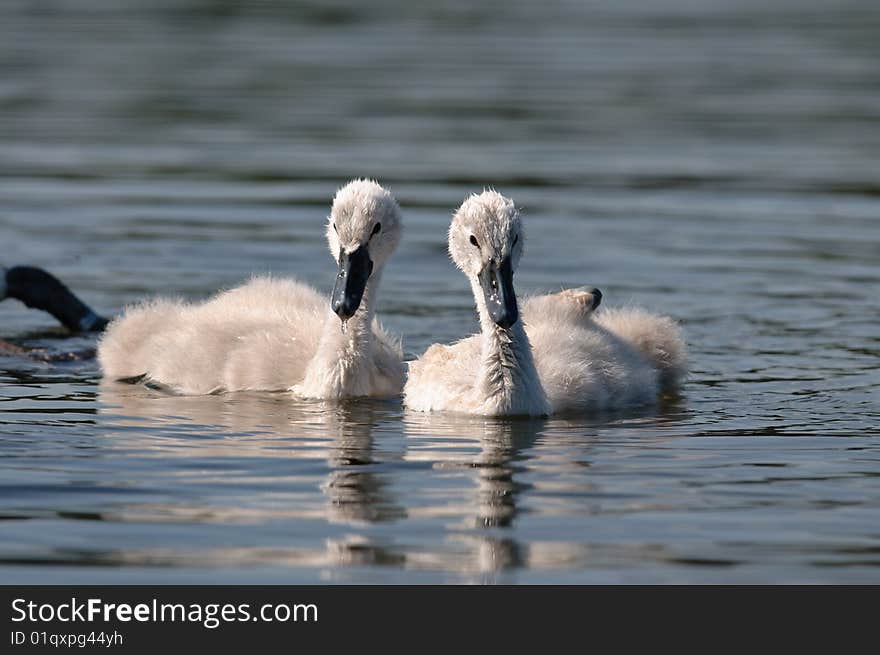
(716, 161)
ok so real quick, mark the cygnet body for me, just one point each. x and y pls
(559, 357)
(276, 334)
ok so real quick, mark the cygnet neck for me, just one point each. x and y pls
(343, 363)
(508, 381)
(355, 335)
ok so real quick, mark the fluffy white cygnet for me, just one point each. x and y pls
(559, 357)
(275, 334)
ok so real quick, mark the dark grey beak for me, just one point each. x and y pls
(497, 283)
(39, 289)
(351, 280)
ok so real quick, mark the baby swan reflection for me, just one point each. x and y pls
(560, 358)
(276, 334)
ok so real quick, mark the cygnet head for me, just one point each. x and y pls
(486, 241)
(363, 229)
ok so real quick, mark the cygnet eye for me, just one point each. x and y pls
(474, 241)
(376, 230)
(334, 228)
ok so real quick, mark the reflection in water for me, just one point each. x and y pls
(493, 505)
(232, 427)
(226, 430)
(357, 492)
(500, 443)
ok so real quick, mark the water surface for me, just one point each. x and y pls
(718, 163)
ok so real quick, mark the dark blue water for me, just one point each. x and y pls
(717, 162)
